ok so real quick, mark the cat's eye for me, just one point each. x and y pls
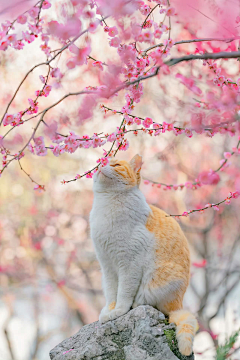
(115, 165)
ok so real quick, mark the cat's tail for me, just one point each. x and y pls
(187, 326)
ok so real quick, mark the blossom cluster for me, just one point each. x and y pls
(210, 115)
(227, 201)
(29, 18)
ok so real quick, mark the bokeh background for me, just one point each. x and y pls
(50, 280)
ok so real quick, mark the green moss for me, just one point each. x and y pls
(172, 343)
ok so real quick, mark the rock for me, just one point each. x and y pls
(142, 334)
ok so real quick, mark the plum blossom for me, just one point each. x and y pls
(112, 137)
(188, 132)
(170, 11)
(46, 4)
(137, 121)
(33, 109)
(33, 12)
(227, 155)
(89, 175)
(22, 19)
(112, 31)
(209, 177)
(31, 148)
(144, 9)
(55, 73)
(58, 149)
(98, 64)
(147, 122)
(114, 42)
(92, 26)
(8, 118)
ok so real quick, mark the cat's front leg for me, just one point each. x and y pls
(110, 286)
(130, 275)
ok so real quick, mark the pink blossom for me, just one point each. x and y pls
(236, 194)
(147, 122)
(30, 148)
(81, 54)
(7, 119)
(208, 205)
(104, 161)
(39, 188)
(98, 64)
(188, 132)
(33, 109)
(215, 207)
(96, 141)
(209, 177)
(89, 175)
(71, 28)
(137, 121)
(227, 155)
(46, 4)
(158, 33)
(112, 31)
(42, 79)
(145, 9)
(123, 145)
(33, 12)
(92, 26)
(111, 137)
(28, 37)
(22, 19)
(115, 42)
(189, 83)
(45, 38)
(71, 64)
(4, 45)
(170, 11)
(147, 36)
(55, 73)
(18, 45)
(185, 213)
(41, 150)
(39, 141)
(88, 14)
(58, 149)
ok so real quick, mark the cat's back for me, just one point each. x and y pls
(171, 243)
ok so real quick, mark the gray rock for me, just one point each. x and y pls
(142, 334)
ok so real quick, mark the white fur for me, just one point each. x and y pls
(124, 246)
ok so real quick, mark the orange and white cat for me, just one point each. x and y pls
(144, 255)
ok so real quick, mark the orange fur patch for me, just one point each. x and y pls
(186, 329)
(172, 257)
(126, 171)
(112, 305)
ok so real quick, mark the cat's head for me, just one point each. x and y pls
(118, 175)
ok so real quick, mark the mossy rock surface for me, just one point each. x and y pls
(142, 334)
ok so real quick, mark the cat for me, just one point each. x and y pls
(143, 254)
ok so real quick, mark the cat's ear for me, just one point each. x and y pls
(136, 163)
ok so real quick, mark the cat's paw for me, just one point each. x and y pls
(104, 315)
(114, 314)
